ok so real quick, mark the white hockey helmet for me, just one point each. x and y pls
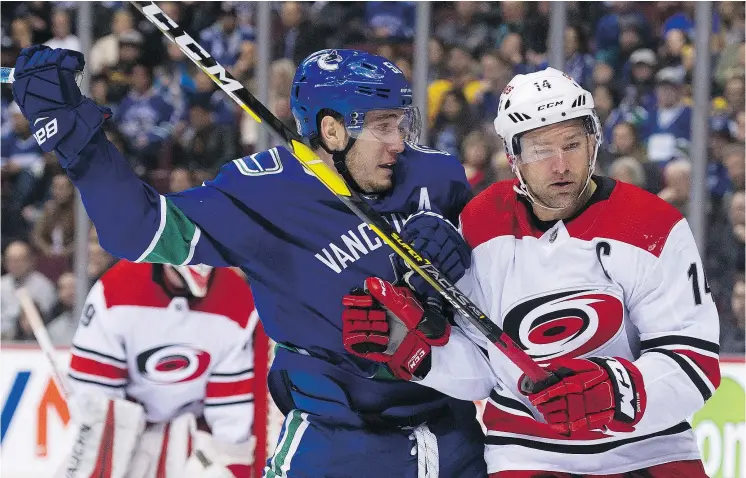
(540, 99)
(196, 277)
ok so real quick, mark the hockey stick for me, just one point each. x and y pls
(42, 337)
(333, 181)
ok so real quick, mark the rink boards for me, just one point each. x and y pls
(35, 435)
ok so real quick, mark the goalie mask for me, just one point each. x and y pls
(533, 101)
(197, 278)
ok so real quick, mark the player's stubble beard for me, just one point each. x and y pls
(363, 163)
(563, 203)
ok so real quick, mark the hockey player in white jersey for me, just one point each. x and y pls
(162, 375)
(599, 281)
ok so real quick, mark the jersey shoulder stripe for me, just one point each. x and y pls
(630, 215)
(119, 286)
(492, 213)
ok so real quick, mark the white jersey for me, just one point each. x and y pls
(621, 279)
(170, 354)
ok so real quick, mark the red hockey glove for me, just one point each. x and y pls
(387, 324)
(597, 393)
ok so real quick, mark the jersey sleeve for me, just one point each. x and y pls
(461, 368)
(135, 222)
(98, 362)
(229, 398)
(679, 333)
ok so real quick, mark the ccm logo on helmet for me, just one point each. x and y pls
(569, 322)
(551, 104)
(174, 363)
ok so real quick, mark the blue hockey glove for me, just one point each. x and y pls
(61, 118)
(437, 240)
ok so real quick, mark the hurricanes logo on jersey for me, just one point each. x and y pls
(572, 322)
(174, 363)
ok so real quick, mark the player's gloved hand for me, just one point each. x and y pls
(597, 393)
(440, 242)
(387, 324)
(61, 118)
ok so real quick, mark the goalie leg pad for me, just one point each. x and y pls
(164, 449)
(108, 432)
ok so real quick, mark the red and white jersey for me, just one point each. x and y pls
(621, 279)
(170, 354)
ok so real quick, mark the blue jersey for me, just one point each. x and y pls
(301, 248)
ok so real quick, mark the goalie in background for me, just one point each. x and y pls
(163, 353)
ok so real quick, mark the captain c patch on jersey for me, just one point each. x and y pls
(565, 322)
(174, 363)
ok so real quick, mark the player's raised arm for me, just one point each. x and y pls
(132, 219)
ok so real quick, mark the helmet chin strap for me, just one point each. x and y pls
(340, 163)
(524, 190)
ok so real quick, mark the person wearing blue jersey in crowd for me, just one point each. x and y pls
(302, 251)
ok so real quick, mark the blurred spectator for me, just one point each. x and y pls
(20, 31)
(61, 29)
(20, 158)
(737, 127)
(629, 170)
(105, 51)
(496, 73)
(20, 266)
(99, 261)
(511, 49)
(224, 39)
(453, 123)
(734, 93)
(460, 75)
(466, 27)
(54, 232)
(578, 63)
(732, 324)
(640, 89)
(725, 258)
(513, 20)
(180, 179)
(206, 92)
(671, 51)
(734, 163)
(620, 32)
(388, 20)
(298, 36)
(668, 127)
(144, 118)
(436, 55)
(731, 61)
(677, 176)
(625, 143)
(206, 146)
(119, 75)
(604, 101)
(63, 324)
(476, 157)
(603, 74)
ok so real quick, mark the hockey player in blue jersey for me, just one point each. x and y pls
(301, 248)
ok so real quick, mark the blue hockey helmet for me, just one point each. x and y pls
(353, 83)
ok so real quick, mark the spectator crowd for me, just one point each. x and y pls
(177, 129)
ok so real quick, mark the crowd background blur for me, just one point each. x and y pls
(637, 59)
